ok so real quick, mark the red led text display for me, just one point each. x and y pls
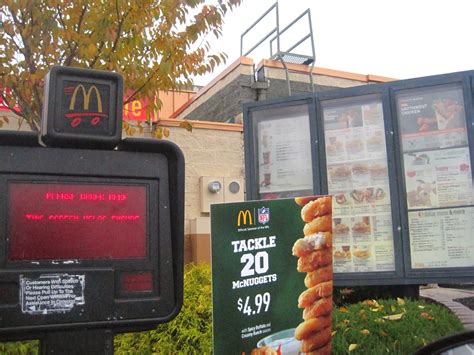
(49, 221)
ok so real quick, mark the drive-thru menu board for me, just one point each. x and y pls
(438, 176)
(396, 157)
(357, 171)
(91, 242)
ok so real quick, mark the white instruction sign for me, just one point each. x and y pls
(51, 293)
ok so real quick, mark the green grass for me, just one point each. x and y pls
(407, 326)
(362, 325)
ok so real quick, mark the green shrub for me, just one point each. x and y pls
(360, 324)
(20, 348)
(190, 332)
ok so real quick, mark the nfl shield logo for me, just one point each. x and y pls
(263, 215)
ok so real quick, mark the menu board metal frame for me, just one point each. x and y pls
(403, 273)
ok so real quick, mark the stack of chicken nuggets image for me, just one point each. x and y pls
(314, 252)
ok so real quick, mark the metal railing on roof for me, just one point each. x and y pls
(288, 55)
(272, 31)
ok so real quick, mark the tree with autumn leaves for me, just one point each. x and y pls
(154, 44)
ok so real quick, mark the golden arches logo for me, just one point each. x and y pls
(76, 116)
(87, 97)
(243, 216)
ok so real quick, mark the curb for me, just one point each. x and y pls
(445, 296)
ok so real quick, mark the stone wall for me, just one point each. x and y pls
(210, 151)
(227, 102)
(221, 100)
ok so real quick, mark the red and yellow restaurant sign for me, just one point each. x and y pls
(135, 110)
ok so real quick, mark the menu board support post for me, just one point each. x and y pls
(96, 341)
(406, 291)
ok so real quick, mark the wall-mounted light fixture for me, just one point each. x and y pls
(214, 186)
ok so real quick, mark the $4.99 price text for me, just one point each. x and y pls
(259, 304)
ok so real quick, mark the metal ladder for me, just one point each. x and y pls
(288, 55)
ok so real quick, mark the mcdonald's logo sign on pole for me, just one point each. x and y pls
(82, 108)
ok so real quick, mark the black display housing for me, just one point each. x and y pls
(157, 165)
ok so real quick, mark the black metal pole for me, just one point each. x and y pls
(94, 341)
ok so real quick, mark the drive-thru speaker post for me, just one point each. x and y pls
(91, 242)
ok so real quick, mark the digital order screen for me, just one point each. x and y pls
(51, 221)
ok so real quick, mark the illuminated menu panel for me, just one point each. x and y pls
(49, 221)
(357, 167)
(437, 175)
(284, 152)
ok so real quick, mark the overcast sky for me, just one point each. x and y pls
(400, 39)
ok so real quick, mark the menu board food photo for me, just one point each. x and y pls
(357, 177)
(431, 117)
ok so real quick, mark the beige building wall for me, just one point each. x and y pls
(211, 150)
(10, 121)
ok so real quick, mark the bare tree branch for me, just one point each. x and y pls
(135, 93)
(120, 24)
(99, 52)
(9, 106)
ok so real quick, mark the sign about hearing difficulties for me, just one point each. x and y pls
(51, 293)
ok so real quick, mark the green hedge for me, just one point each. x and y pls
(190, 332)
(20, 348)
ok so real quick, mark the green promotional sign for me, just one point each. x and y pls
(256, 284)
